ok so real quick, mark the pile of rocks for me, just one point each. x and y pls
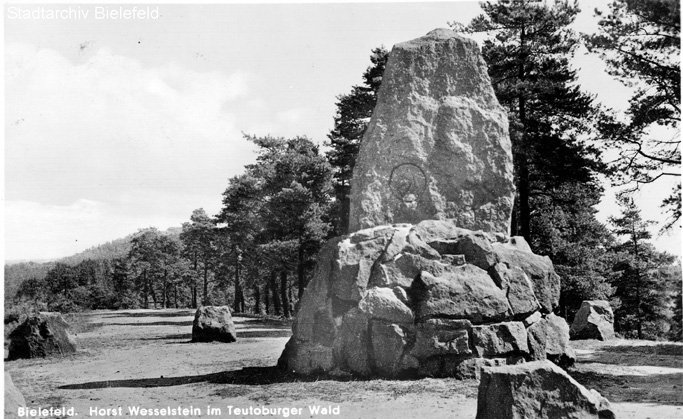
(429, 299)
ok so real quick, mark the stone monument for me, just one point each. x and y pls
(437, 146)
(431, 285)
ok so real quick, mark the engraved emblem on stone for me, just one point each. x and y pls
(407, 182)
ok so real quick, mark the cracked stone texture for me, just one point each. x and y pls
(437, 145)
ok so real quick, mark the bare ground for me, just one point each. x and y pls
(145, 358)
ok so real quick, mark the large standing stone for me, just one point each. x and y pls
(41, 336)
(594, 320)
(437, 145)
(536, 390)
(213, 323)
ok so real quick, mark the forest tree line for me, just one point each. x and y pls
(257, 254)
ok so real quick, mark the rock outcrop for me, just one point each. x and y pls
(594, 320)
(41, 336)
(213, 323)
(437, 145)
(537, 390)
(430, 299)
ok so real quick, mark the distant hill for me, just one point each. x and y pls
(17, 271)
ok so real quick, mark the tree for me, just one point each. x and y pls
(277, 212)
(354, 110)
(528, 60)
(200, 247)
(642, 277)
(154, 258)
(639, 40)
(580, 248)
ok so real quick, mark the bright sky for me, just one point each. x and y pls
(113, 125)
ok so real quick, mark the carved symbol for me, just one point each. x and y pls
(407, 182)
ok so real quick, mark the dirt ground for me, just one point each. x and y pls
(144, 359)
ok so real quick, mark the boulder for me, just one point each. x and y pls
(213, 323)
(539, 269)
(496, 340)
(536, 390)
(594, 320)
(437, 337)
(41, 336)
(437, 145)
(428, 279)
(353, 343)
(388, 344)
(13, 398)
(382, 303)
(549, 339)
(462, 292)
(414, 311)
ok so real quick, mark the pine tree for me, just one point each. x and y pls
(200, 247)
(640, 43)
(277, 214)
(353, 114)
(528, 61)
(642, 277)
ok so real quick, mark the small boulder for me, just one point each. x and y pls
(594, 320)
(549, 339)
(536, 390)
(41, 336)
(213, 323)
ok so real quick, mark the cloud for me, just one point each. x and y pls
(132, 139)
(93, 130)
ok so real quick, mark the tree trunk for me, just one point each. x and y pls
(175, 297)
(524, 221)
(194, 292)
(154, 296)
(267, 297)
(146, 288)
(206, 301)
(639, 314)
(523, 189)
(283, 292)
(273, 289)
(301, 273)
(257, 299)
(164, 300)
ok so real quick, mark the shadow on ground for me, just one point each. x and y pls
(160, 313)
(651, 388)
(669, 355)
(251, 376)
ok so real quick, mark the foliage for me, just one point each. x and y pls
(353, 114)
(645, 280)
(528, 52)
(528, 58)
(639, 40)
(200, 242)
(276, 215)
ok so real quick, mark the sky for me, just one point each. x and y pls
(112, 125)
